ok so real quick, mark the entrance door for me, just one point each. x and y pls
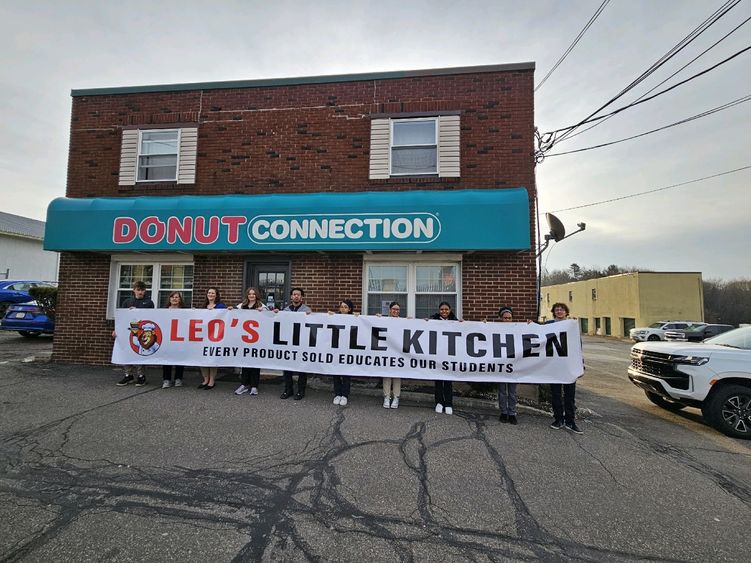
(271, 279)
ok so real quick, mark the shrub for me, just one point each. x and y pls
(46, 297)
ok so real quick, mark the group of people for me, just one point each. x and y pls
(563, 395)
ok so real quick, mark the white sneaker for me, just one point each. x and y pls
(337, 400)
(166, 384)
(241, 390)
(178, 382)
(439, 408)
(449, 410)
(395, 403)
(343, 402)
(254, 390)
(386, 402)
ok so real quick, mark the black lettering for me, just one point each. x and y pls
(452, 336)
(313, 336)
(277, 334)
(335, 331)
(412, 341)
(499, 346)
(561, 347)
(528, 346)
(472, 339)
(353, 345)
(376, 337)
(296, 328)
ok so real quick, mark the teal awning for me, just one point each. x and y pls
(414, 220)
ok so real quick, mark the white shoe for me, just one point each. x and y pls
(337, 400)
(254, 390)
(343, 402)
(395, 403)
(178, 382)
(449, 410)
(166, 384)
(241, 390)
(439, 408)
(386, 402)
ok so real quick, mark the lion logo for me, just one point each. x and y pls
(145, 337)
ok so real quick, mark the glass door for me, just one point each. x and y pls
(272, 281)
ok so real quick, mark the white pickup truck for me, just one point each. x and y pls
(656, 331)
(714, 376)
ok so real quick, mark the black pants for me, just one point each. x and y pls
(444, 393)
(341, 385)
(250, 377)
(564, 409)
(167, 372)
(302, 380)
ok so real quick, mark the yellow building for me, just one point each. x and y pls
(613, 305)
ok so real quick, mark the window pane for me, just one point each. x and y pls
(434, 279)
(413, 161)
(164, 298)
(177, 276)
(414, 133)
(379, 303)
(159, 142)
(427, 305)
(130, 273)
(387, 278)
(157, 173)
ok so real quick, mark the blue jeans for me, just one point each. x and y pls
(507, 398)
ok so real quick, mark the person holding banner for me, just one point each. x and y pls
(213, 301)
(137, 301)
(564, 411)
(250, 377)
(175, 301)
(392, 386)
(444, 392)
(296, 305)
(507, 391)
(342, 382)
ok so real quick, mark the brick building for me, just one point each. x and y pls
(412, 186)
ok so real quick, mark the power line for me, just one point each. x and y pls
(653, 190)
(573, 44)
(681, 122)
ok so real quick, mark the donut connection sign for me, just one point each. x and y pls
(363, 346)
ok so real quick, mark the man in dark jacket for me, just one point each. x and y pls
(137, 301)
(296, 305)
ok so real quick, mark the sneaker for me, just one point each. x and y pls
(448, 410)
(439, 408)
(337, 400)
(557, 425)
(299, 396)
(285, 395)
(386, 402)
(141, 381)
(125, 380)
(395, 403)
(178, 382)
(254, 390)
(512, 419)
(166, 384)
(343, 402)
(241, 390)
(503, 418)
(574, 428)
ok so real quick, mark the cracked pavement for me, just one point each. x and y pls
(94, 472)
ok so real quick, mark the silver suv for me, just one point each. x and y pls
(656, 331)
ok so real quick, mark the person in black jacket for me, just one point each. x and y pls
(137, 301)
(444, 392)
(563, 396)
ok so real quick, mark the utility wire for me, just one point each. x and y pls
(573, 44)
(653, 190)
(697, 57)
(681, 122)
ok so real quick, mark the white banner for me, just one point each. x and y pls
(363, 346)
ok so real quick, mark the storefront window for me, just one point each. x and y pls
(161, 279)
(385, 285)
(419, 288)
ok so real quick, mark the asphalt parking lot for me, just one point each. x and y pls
(94, 472)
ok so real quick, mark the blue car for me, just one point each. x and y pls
(17, 291)
(28, 320)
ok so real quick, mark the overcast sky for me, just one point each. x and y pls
(49, 48)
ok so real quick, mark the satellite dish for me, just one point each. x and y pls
(557, 230)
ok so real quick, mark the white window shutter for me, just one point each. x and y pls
(448, 146)
(186, 163)
(128, 156)
(380, 148)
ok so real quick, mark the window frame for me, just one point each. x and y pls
(139, 154)
(156, 262)
(392, 145)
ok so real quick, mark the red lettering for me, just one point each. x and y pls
(215, 330)
(252, 335)
(233, 227)
(212, 235)
(152, 230)
(194, 330)
(124, 230)
(174, 336)
(180, 230)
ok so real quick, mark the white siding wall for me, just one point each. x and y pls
(26, 260)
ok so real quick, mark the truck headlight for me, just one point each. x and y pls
(690, 360)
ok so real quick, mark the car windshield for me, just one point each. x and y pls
(738, 338)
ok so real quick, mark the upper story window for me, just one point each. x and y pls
(415, 146)
(157, 155)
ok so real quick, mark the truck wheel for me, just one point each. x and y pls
(653, 337)
(663, 403)
(728, 409)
